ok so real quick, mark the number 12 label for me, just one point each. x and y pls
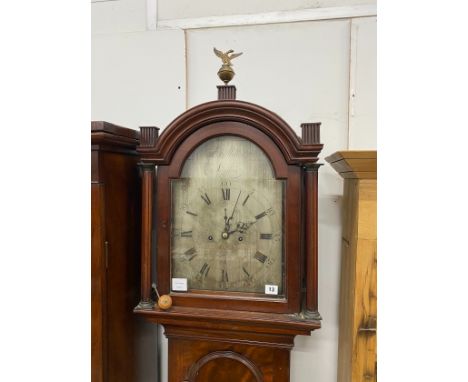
(271, 289)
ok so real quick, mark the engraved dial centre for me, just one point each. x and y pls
(227, 225)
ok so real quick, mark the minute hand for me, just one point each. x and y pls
(228, 224)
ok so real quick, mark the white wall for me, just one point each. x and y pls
(304, 71)
(363, 87)
(138, 78)
(118, 16)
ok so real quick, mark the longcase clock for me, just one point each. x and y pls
(229, 224)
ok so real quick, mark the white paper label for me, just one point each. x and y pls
(271, 289)
(179, 285)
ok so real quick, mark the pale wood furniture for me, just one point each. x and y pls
(357, 351)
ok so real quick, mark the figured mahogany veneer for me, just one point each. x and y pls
(215, 361)
(226, 365)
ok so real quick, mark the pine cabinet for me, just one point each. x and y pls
(357, 350)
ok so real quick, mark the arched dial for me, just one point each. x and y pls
(227, 233)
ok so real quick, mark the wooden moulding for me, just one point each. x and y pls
(355, 164)
(213, 356)
(231, 320)
(106, 136)
(294, 150)
(284, 341)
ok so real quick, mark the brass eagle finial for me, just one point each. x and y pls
(227, 56)
(226, 73)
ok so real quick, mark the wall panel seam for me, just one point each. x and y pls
(309, 14)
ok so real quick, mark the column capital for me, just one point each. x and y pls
(147, 166)
(312, 167)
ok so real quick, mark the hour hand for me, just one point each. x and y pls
(226, 223)
(243, 227)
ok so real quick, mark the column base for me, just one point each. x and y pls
(307, 315)
(145, 305)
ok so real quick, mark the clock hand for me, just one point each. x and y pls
(243, 227)
(228, 225)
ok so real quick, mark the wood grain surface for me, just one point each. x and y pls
(358, 290)
(115, 248)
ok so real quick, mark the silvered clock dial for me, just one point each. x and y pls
(227, 220)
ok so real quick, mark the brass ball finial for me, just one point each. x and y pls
(226, 73)
(165, 301)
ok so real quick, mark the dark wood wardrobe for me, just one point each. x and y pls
(117, 339)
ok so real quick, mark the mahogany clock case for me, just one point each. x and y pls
(224, 334)
(291, 158)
